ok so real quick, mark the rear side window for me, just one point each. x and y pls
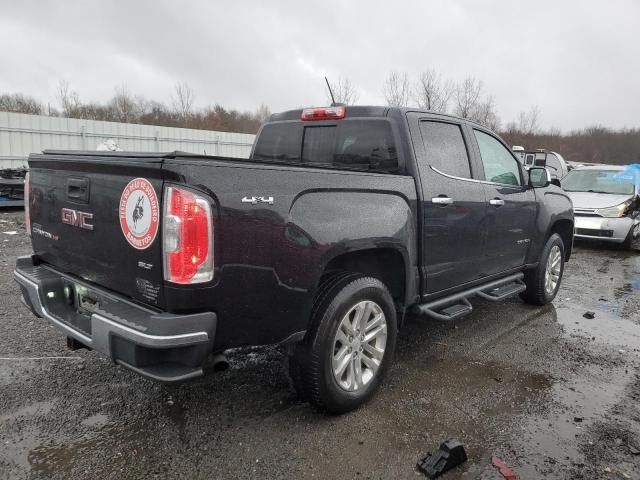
(350, 144)
(445, 148)
(499, 164)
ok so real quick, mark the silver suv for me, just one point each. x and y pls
(606, 203)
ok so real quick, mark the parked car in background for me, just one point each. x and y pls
(553, 161)
(572, 165)
(606, 203)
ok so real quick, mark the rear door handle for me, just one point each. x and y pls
(496, 202)
(444, 201)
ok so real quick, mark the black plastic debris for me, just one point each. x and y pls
(450, 454)
(578, 419)
(589, 315)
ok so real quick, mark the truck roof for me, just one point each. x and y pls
(369, 111)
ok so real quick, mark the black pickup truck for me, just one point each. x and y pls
(342, 221)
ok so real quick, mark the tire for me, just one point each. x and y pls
(632, 243)
(538, 291)
(341, 299)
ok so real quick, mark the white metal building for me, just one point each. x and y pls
(22, 134)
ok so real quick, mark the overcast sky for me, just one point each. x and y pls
(578, 61)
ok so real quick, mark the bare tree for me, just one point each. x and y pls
(432, 92)
(344, 92)
(470, 102)
(124, 105)
(528, 121)
(396, 89)
(262, 113)
(68, 99)
(485, 114)
(467, 97)
(19, 103)
(183, 100)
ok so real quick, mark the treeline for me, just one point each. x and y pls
(467, 98)
(125, 107)
(590, 145)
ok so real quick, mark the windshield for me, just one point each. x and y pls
(599, 181)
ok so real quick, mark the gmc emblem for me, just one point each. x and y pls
(76, 218)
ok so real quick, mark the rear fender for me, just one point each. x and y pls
(344, 221)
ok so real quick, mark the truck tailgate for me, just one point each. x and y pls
(98, 217)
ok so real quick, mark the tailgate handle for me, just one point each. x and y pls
(78, 189)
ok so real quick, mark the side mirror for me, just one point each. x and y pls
(539, 177)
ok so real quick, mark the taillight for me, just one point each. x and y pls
(27, 206)
(323, 113)
(187, 237)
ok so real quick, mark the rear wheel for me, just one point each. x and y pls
(350, 345)
(543, 281)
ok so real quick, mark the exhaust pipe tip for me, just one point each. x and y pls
(220, 362)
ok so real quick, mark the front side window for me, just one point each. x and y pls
(499, 164)
(445, 148)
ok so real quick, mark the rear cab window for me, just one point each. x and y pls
(357, 144)
(445, 148)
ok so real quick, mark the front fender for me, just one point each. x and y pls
(553, 205)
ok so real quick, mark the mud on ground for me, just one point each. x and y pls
(553, 394)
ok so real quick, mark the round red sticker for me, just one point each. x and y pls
(139, 213)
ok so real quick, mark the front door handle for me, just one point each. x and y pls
(444, 201)
(496, 202)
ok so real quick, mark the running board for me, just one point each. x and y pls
(457, 305)
(504, 291)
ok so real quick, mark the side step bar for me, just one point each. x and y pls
(457, 305)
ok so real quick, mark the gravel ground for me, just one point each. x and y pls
(553, 394)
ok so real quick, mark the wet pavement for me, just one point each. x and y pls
(553, 394)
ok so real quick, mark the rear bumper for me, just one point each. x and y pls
(157, 345)
(606, 229)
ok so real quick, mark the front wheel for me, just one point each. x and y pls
(350, 345)
(543, 281)
(632, 242)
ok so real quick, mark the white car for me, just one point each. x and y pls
(606, 203)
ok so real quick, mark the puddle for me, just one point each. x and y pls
(96, 421)
(101, 440)
(32, 410)
(607, 328)
(549, 444)
(553, 439)
(16, 452)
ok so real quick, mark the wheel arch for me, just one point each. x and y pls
(388, 264)
(564, 228)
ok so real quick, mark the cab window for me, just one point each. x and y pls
(499, 165)
(445, 148)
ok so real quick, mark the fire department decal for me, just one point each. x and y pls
(139, 213)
